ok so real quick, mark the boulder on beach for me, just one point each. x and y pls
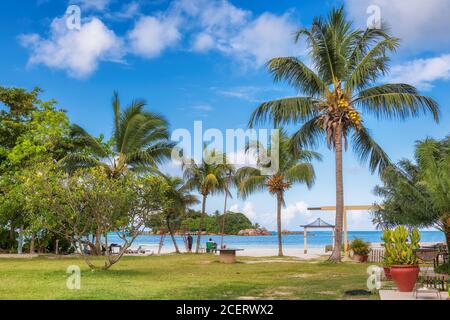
(254, 232)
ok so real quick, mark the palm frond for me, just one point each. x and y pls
(368, 150)
(297, 74)
(373, 65)
(301, 173)
(284, 111)
(397, 101)
(308, 136)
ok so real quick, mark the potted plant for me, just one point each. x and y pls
(360, 249)
(387, 236)
(401, 258)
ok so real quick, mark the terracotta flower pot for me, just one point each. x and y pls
(360, 257)
(387, 273)
(405, 277)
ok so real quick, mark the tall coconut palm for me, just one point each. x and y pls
(140, 141)
(180, 199)
(337, 89)
(293, 167)
(208, 177)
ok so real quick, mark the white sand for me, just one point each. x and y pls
(258, 251)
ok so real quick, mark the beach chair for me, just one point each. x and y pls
(427, 257)
(146, 249)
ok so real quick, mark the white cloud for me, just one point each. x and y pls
(203, 42)
(293, 210)
(241, 158)
(420, 24)
(289, 215)
(76, 51)
(221, 26)
(422, 72)
(248, 210)
(264, 38)
(151, 36)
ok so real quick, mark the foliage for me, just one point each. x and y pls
(444, 268)
(234, 223)
(359, 246)
(87, 205)
(139, 142)
(418, 194)
(210, 177)
(338, 92)
(293, 167)
(399, 245)
(32, 131)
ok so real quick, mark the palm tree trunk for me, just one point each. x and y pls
(336, 255)
(169, 227)
(280, 241)
(224, 216)
(447, 232)
(202, 219)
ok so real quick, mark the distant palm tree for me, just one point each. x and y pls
(181, 198)
(140, 141)
(293, 167)
(208, 178)
(345, 62)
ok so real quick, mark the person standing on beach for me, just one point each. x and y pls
(189, 241)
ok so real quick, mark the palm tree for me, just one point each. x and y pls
(140, 141)
(208, 178)
(293, 167)
(180, 199)
(337, 89)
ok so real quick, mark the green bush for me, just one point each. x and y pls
(399, 246)
(444, 269)
(359, 246)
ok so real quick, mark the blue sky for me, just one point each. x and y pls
(204, 60)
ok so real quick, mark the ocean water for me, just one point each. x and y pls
(318, 239)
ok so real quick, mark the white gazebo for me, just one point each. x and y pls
(317, 224)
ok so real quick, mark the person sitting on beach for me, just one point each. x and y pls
(211, 246)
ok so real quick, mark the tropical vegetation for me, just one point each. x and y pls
(291, 167)
(341, 85)
(417, 193)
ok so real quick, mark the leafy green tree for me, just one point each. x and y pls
(140, 141)
(338, 88)
(418, 194)
(31, 131)
(208, 178)
(293, 167)
(88, 200)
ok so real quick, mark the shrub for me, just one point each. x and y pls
(359, 246)
(399, 246)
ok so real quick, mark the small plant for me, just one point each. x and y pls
(359, 246)
(399, 246)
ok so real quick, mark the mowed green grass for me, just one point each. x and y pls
(186, 276)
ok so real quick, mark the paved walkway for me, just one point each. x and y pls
(396, 295)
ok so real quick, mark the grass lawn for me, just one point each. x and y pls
(185, 276)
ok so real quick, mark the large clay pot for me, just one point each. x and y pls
(405, 277)
(387, 273)
(360, 257)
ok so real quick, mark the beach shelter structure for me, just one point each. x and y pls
(317, 224)
(346, 209)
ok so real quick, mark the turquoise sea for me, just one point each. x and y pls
(315, 239)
